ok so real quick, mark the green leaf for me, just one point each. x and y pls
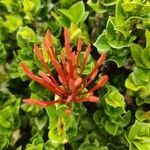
(112, 128)
(62, 20)
(101, 43)
(136, 51)
(25, 35)
(101, 6)
(136, 8)
(87, 122)
(76, 13)
(122, 120)
(75, 32)
(146, 57)
(113, 102)
(129, 83)
(147, 36)
(14, 68)
(142, 115)
(142, 74)
(141, 56)
(84, 16)
(94, 140)
(80, 12)
(139, 136)
(2, 53)
(60, 124)
(6, 119)
(138, 81)
(109, 3)
(3, 141)
(34, 147)
(115, 38)
(8, 4)
(41, 122)
(53, 145)
(88, 146)
(139, 129)
(97, 117)
(142, 100)
(13, 22)
(78, 109)
(31, 7)
(119, 56)
(119, 14)
(114, 98)
(9, 121)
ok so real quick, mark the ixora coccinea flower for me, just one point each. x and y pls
(71, 87)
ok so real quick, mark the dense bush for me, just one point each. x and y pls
(121, 118)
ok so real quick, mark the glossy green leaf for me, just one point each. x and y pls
(114, 98)
(101, 43)
(122, 120)
(31, 7)
(6, 119)
(142, 115)
(113, 102)
(9, 121)
(109, 3)
(142, 100)
(139, 136)
(119, 14)
(25, 35)
(53, 145)
(136, 51)
(75, 32)
(119, 28)
(8, 4)
(77, 17)
(13, 22)
(34, 147)
(101, 6)
(146, 57)
(112, 128)
(97, 117)
(63, 21)
(114, 125)
(141, 56)
(96, 6)
(60, 124)
(136, 8)
(138, 81)
(94, 140)
(115, 38)
(142, 75)
(147, 36)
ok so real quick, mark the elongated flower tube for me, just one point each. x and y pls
(71, 87)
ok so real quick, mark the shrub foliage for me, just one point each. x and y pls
(121, 118)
